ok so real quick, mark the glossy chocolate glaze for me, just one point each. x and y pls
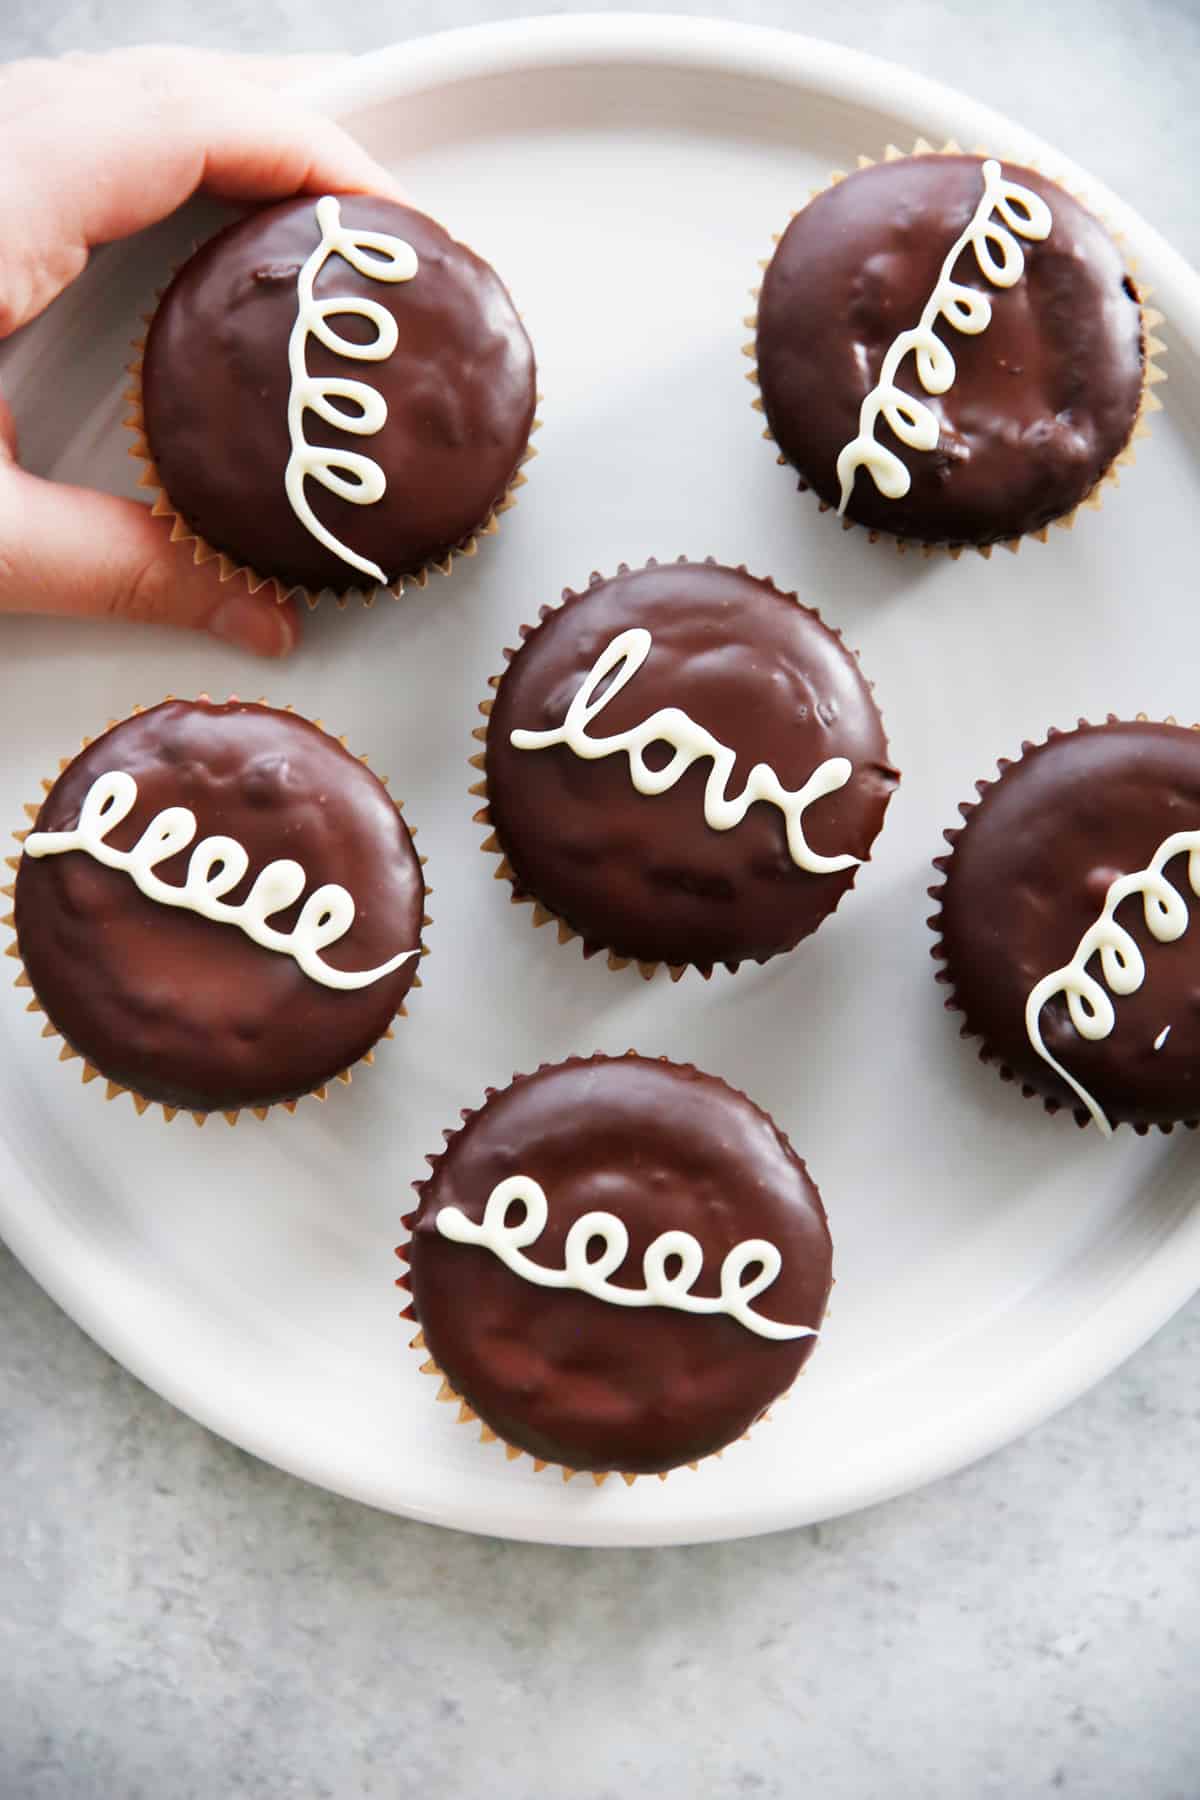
(459, 389)
(645, 875)
(179, 1008)
(575, 1379)
(1043, 400)
(1028, 876)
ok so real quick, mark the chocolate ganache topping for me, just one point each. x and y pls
(191, 1010)
(585, 1381)
(728, 828)
(1028, 407)
(226, 356)
(1032, 925)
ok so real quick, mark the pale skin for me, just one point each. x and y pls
(105, 146)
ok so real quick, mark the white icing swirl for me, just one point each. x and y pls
(216, 865)
(588, 1274)
(347, 473)
(691, 743)
(1002, 262)
(1122, 965)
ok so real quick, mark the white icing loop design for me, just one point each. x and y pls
(691, 743)
(349, 474)
(1122, 966)
(1002, 262)
(589, 1274)
(216, 865)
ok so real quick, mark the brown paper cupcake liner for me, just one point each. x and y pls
(987, 1053)
(229, 569)
(487, 1436)
(448, 1395)
(114, 1089)
(541, 915)
(1148, 403)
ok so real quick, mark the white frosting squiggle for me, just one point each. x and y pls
(967, 310)
(691, 743)
(589, 1274)
(1122, 965)
(216, 865)
(347, 473)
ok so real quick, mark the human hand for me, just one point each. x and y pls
(104, 146)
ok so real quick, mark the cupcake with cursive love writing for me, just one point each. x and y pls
(951, 351)
(334, 395)
(682, 765)
(217, 907)
(617, 1265)
(1067, 922)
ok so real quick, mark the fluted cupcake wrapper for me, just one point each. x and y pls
(230, 569)
(1152, 375)
(449, 1395)
(491, 845)
(114, 1089)
(987, 1053)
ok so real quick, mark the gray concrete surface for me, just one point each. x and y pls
(179, 1621)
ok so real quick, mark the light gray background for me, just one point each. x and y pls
(177, 1620)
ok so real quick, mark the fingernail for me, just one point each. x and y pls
(392, 188)
(378, 180)
(255, 623)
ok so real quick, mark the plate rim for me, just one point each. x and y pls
(1170, 1274)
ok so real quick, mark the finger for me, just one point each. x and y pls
(291, 151)
(252, 145)
(69, 551)
(113, 143)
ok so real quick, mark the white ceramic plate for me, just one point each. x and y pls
(625, 175)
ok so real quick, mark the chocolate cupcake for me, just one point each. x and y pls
(951, 350)
(683, 765)
(1064, 922)
(218, 907)
(272, 443)
(617, 1265)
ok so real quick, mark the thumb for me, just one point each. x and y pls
(69, 551)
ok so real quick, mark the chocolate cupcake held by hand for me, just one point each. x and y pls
(218, 907)
(684, 765)
(950, 349)
(617, 1265)
(1066, 922)
(336, 394)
